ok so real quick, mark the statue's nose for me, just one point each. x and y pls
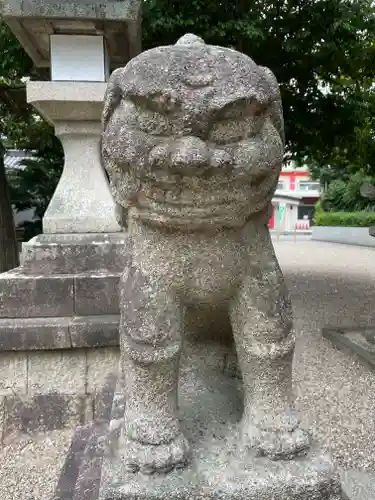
(189, 152)
(183, 154)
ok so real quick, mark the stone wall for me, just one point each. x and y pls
(45, 390)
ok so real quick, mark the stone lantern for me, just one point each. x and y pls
(63, 300)
(80, 43)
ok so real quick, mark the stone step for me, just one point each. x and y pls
(64, 332)
(84, 294)
(74, 253)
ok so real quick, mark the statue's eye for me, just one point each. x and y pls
(231, 131)
(149, 121)
(159, 102)
(153, 123)
(242, 108)
(234, 110)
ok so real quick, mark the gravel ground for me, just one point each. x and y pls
(30, 466)
(332, 284)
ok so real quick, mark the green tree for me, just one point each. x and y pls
(344, 195)
(322, 53)
(8, 243)
(14, 64)
(34, 185)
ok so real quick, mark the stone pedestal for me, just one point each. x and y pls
(59, 318)
(210, 408)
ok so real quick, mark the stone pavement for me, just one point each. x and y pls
(330, 284)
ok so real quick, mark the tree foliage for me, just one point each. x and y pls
(8, 243)
(321, 51)
(343, 195)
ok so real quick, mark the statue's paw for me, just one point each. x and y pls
(277, 442)
(151, 458)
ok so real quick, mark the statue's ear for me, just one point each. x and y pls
(276, 106)
(112, 97)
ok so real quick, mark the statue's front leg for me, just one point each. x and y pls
(261, 315)
(150, 341)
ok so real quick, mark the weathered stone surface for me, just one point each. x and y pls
(2, 418)
(96, 294)
(355, 341)
(13, 372)
(307, 479)
(100, 362)
(119, 21)
(104, 397)
(115, 10)
(94, 331)
(23, 296)
(82, 201)
(193, 142)
(43, 412)
(70, 471)
(80, 476)
(66, 372)
(74, 253)
(24, 334)
(358, 485)
(210, 409)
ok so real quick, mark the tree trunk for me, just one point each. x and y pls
(9, 256)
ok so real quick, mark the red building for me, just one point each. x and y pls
(294, 199)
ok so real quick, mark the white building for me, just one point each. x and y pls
(294, 199)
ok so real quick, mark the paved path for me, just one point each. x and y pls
(329, 284)
(332, 284)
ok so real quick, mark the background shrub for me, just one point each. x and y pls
(349, 219)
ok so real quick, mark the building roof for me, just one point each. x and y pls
(295, 195)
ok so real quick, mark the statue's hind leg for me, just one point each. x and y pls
(261, 316)
(150, 341)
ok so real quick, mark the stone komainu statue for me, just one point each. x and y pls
(193, 142)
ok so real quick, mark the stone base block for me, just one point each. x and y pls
(25, 334)
(210, 408)
(54, 309)
(74, 253)
(355, 341)
(46, 390)
(65, 294)
(307, 479)
(25, 296)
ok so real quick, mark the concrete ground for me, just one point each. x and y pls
(330, 284)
